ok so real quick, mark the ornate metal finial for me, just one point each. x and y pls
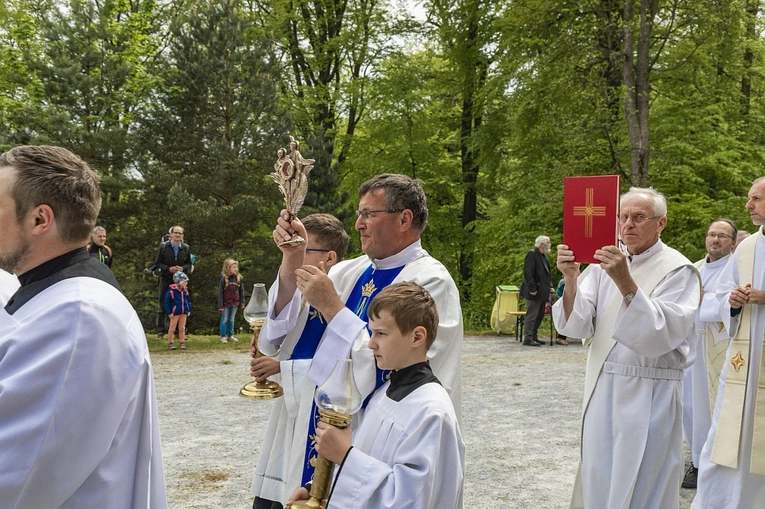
(291, 173)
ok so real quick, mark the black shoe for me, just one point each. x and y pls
(531, 343)
(691, 475)
(539, 343)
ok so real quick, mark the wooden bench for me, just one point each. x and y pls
(519, 319)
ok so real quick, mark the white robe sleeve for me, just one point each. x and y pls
(660, 323)
(426, 463)
(709, 310)
(343, 332)
(445, 354)
(726, 283)
(581, 322)
(276, 327)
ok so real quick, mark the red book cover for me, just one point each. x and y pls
(590, 214)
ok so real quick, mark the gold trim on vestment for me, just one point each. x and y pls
(727, 443)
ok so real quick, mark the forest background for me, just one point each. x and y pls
(181, 106)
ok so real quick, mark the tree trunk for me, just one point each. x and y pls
(609, 44)
(474, 71)
(752, 9)
(637, 84)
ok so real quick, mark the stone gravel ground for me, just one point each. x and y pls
(521, 422)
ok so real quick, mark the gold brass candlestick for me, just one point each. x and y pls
(322, 474)
(337, 398)
(255, 313)
(260, 390)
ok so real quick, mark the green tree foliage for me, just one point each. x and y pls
(181, 108)
(468, 36)
(331, 50)
(20, 90)
(413, 130)
(212, 137)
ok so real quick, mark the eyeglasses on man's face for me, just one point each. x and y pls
(366, 214)
(720, 236)
(636, 218)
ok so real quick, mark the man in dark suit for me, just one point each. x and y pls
(536, 288)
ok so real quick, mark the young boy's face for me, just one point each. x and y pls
(392, 349)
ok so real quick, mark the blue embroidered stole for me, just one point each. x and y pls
(312, 333)
(367, 286)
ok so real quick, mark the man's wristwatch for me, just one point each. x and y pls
(628, 298)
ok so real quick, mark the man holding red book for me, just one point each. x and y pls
(638, 305)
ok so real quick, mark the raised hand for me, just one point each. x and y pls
(565, 262)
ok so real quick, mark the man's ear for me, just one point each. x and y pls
(419, 336)
(42, 219)
(406, 219)
(331, 259)
(662, 223)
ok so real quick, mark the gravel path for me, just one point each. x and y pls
(521, 418)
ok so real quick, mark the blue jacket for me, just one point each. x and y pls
(177, 302)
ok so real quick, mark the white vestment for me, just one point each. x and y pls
(632, 425)
(719, 486)
(77, 403)
(8, 286)
(278, 472)
(406, 455)
(697, 416)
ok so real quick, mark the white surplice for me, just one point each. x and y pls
(697, 416)
(77, 403)
(278, 472)
(8, 286)
(719, 486)
(406, 455)
(632, 427)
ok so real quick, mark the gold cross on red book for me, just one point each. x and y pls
(589, 210)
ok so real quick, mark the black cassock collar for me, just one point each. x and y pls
(405, 381)
(77, 263)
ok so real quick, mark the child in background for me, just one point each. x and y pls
(408, 451)
(230, 297)
(178, 306)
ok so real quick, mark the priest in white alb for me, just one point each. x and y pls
(732, 469)
(709, 342)
(638, 306)
(79, 427)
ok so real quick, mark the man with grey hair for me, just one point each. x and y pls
(740, 236)
(638, 306)
(536, 289)
(77, 400)
(97, 247)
